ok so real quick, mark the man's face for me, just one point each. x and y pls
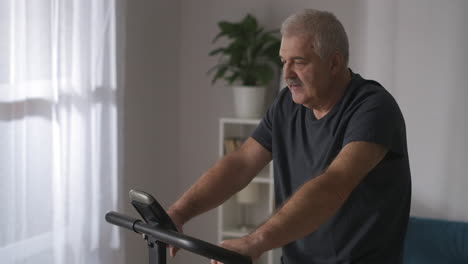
(307, 75)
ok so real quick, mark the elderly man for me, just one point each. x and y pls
(338, 142)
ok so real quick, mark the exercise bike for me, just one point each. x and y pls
(159, 231)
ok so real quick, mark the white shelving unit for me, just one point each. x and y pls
(232, 214)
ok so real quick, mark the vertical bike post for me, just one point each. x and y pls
(156, 250)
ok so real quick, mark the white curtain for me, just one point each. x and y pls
(59, 148)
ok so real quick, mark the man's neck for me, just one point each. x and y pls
(339, 89)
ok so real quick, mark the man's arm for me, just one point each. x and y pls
(314, 202)
(228, 176)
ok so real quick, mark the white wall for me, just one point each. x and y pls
(416, 48)
(150, 107)
(431, 84)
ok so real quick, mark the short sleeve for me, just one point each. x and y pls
(376, 118)
(263, 132)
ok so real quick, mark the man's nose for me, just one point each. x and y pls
(288, 72)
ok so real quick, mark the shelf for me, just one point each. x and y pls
(235, 233)
(262, 180)
(241, 121)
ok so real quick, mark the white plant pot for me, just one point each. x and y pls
(249, 101)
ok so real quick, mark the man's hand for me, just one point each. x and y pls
(248, 246)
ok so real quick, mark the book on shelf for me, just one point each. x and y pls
(232, 143)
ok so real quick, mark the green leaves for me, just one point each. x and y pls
(251, 55)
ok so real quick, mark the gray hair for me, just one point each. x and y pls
(327, 32)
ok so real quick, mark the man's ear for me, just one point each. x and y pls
(336, 63)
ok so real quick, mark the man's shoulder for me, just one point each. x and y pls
(368, 91)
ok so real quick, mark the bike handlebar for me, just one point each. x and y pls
(179, 240)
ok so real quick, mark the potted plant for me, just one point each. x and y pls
(248, 63)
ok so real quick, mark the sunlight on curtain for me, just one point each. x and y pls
(58, 131)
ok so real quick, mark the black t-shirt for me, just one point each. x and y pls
(370, 226)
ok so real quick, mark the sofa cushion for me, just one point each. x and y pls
(436, 241)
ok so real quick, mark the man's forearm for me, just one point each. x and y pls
(225, 178)
(308, 208)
